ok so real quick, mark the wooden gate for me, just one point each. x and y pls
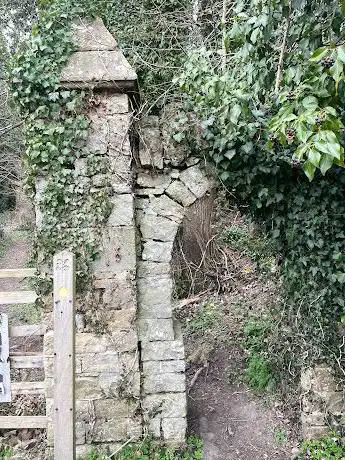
(64, 362)
(19, 359)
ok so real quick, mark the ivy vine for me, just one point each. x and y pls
(267, 107)
(73, 206)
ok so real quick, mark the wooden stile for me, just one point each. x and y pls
(64, 360)
(29, 361)
(14, 422)
(27, 388)
(17, 272)
(19, 297)
(27, 330)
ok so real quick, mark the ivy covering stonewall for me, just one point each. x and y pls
(267, 106)
(56, 131)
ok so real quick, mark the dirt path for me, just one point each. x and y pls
(16, 255)
(235, 424)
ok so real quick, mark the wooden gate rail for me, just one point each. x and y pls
(22, 360)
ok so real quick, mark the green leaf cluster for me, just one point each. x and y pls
(327, 448)
(153, 450)
(73, 206)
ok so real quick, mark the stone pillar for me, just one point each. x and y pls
(130, 370)
(168, 183)
(107, 360)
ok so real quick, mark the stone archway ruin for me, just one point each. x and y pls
(131, 378)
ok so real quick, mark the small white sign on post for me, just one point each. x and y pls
(64, 361)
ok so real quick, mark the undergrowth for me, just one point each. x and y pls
(331, 447)
(5, 452)
(151, 450)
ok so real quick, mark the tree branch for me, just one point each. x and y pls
(282, 52)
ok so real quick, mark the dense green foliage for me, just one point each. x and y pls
(270, 114)
(151, 450)
(56, 131)
(331, 447)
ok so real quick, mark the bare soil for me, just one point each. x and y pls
(233, 422)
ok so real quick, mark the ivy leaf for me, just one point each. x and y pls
(336, 71)
(319, 54)
(341, 53)
(309, 170)
(235, 113)
(178, 137)
(230, 154)
(342, 7)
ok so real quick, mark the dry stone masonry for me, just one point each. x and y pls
(166, 187)
(323, 402)
(107, 361)
(130, 375)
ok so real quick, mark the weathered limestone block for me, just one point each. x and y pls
(103, 68)
(98, 139)
(118, 251)
(164, 206)
(161, 311)
(118, 128)
(122, 341)
(164, 383)
(151, 148)
(148, 269)
(121, 174)
(89, 342)
(157, 227)
(163, 351)
(84, 410)
(114, 103)
(174, 429)
(323, 381)
(116, 293)
(314, 419)
(121, 321)
(321, 401)
(87, 388)
(90, 35)
(155, 329)
(93, 364)
(80, 432)
(110, 409)
(170, 404)
(157, 251)
(150, 180)
(336, 403)
(196, 181)
(314, 432)
(155, 292)
(180, 193)
(124, 385)
(116, 430)
(123, 210)
(164, 367)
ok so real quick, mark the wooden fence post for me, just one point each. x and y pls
(64, 360)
